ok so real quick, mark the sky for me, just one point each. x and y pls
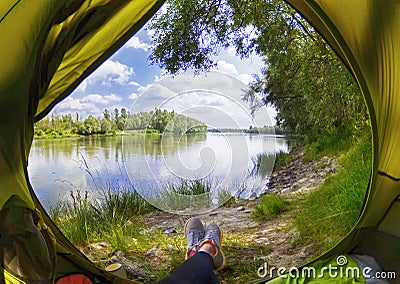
(127, 80)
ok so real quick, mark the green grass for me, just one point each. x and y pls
(271, 205)
(85, 218)
(52, 134)
(193, 194)
(281, 159)
(333, 143)
(115, 218)
(190, 187)
(330, 212)
(185, 194)
(241, 266)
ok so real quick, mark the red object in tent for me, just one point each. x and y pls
(75, 279)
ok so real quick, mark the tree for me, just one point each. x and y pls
(303, 79)
(107, 115)
(90, 125)
(122, 119)
(106, 126)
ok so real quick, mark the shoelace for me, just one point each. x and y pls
(195, 236)
(210, 235)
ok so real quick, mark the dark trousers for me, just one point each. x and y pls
(196, 270)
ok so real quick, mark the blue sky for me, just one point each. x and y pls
(128, 80)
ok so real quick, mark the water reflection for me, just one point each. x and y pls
(58, 166)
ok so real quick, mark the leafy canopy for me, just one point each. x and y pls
(303, 79)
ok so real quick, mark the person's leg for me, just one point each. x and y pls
(203, 255)
(212, 243)
(198, 269)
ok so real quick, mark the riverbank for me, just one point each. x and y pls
(53, 134)
(249, 241)
(151, 245)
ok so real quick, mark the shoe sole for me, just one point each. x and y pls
(184, 234)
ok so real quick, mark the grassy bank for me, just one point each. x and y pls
(115, 217)
(330, 212)
(324, 216)
(85, 218)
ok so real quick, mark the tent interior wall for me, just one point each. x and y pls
(49, 47)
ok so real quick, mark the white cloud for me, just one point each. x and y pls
(248, 65)
(94, 98)
(245, 78)
(88, 104)
(111, 71)
(133, 96)
(226, 67)
(231, 51)
(150, 32)
(99, 99)
(133, 83)
(82, 86)
(73, 105)
(135, 42)
(141, 89)
(113, 98)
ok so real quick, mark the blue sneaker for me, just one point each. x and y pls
(194, 234)
(214, 234)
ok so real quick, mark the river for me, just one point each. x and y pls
(59, 166)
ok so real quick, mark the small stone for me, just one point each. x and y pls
(99, 246)
(170, 231)
(240, 208)
(153, 251)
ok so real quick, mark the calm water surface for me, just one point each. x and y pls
(59, 166)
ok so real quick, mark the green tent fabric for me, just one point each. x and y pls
(49, 46)
(366, 36)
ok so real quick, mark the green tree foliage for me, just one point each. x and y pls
(157, 121)
(303, 79)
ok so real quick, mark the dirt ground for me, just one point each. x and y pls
(272, 240)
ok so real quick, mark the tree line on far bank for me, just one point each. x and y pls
(156, 121)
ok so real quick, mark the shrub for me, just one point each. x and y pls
(271, 206)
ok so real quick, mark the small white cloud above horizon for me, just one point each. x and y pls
(72, 105)
(246, 78)
(82, 86)
(89, 105)
(99, 99)
(110, 72)
(133, 83)
(133, 96)
(135, 42)
(226, 67)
